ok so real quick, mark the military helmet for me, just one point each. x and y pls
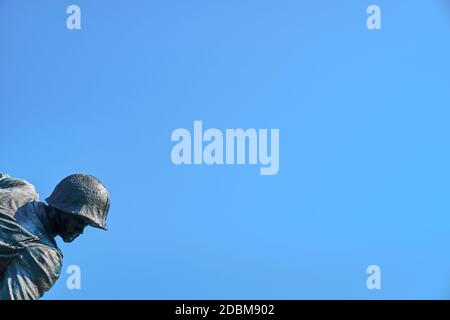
(82, 195)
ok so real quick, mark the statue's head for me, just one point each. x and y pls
(79, 200)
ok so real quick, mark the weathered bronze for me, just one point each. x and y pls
(30, 260)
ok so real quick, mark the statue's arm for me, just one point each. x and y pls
(31, 274)
(14, 193)
(7, 182)
(16, 286)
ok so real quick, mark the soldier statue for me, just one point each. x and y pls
(30, 260)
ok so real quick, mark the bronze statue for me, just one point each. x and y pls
(30, 261)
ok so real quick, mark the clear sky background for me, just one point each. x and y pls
(364, 142)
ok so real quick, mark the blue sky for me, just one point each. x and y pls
(364, 154)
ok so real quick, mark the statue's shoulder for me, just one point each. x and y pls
(45, 259)
(40, 265)
(8, 182)
(14, 193)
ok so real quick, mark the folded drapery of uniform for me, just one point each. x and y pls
(30, 261)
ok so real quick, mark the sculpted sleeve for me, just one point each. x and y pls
(31, 274)
(14, 193)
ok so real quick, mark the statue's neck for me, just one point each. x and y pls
(51, 222)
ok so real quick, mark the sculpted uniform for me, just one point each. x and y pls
(30, 261)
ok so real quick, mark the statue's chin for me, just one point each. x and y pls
(69, 239)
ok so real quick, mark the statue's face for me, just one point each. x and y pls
(71, 226)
